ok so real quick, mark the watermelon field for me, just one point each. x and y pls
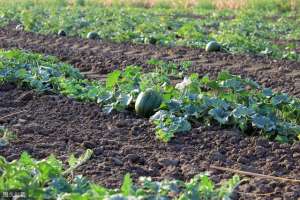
(150, 100)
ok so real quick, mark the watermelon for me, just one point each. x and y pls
(213, 46)
(147, 102)
(93, 35)
(62, 33)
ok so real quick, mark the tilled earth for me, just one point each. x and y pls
(95, 58)
(124, 142)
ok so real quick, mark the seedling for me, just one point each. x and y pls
(6, 136)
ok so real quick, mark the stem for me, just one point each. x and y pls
(81, 160)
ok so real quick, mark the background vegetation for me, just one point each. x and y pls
(266, 27)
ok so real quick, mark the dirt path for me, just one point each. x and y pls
(95, 58)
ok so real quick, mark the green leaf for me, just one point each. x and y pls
(195, 110)
(220, 115)
(167, 124)
(174, 105)
(216, 103)
(98, 192)
(124, 99)
(263, 122)
(280, 99)
(242, 112)
(180, 124)
(206, 186)
(205, 81)
(3, 143)
(224, 75)
(25, 159)
(72, 161)
(21, 74)
(282, 139)
(131, 72)
(60, 185)
(112, 79)
(267, 92)
(234, 84)
(165, 135)
(104, 97)
(127, 186)
(78, 162)
(253, 84)
(80, 185)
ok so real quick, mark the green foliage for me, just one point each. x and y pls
(5, 136)
(252, 30)
(80, 2)
(228, 100)
(46, 179)
(37, 179)
(127, 186)
(167, 124)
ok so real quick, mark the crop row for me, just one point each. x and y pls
(49, 178)
(227, 101)
(28, 178)
(264, 31)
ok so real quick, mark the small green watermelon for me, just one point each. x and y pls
(62, 33)
(93, 35)
(212, 46)
(147, 102)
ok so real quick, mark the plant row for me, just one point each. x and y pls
(227, 101)
(28, 178)
(49, 178)
(255, 30)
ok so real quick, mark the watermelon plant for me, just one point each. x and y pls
(48, 179)
(252, 30)
(5, 137)
(228, 100)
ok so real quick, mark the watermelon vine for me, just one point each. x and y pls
(227, 101)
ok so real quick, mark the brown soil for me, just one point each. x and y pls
(97, 57)
(124, 142)
(285, 43)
